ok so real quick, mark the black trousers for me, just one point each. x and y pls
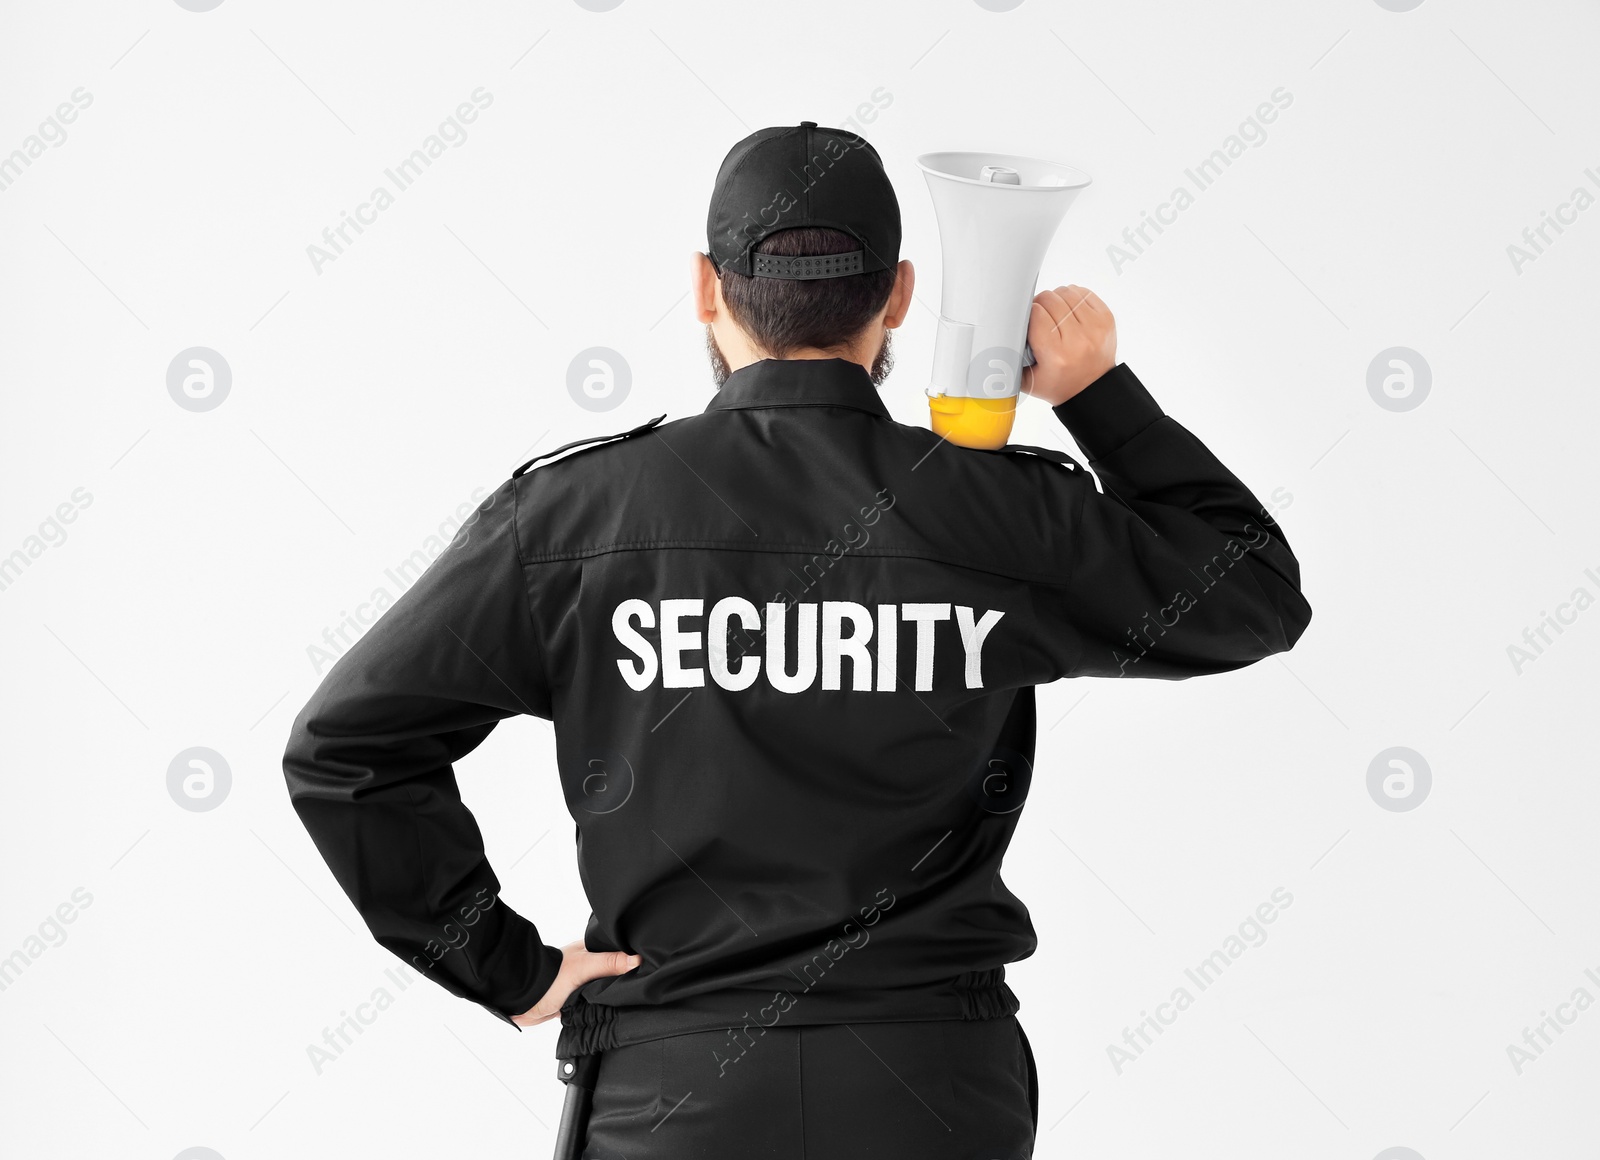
(946, 1090)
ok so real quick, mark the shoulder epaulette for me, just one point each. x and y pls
(639, 430)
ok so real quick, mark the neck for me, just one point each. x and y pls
(859, 352)
(813, 352)
(734, 352)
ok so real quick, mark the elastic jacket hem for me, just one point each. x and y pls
(590, 1027)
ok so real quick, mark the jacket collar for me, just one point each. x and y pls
(821, 382)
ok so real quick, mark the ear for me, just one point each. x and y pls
(707, 288)
(899, 304)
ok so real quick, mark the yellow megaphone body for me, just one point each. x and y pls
(997, 214)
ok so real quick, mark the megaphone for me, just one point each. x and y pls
(996, 213)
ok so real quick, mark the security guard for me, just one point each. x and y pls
(789, 648)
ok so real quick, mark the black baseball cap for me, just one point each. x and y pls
(786, 177)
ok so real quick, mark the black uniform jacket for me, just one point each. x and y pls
(789, 649)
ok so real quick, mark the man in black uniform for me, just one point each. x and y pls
(789, 647)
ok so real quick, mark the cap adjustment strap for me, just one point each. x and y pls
(807, 267)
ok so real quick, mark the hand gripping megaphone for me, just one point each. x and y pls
(996, 214)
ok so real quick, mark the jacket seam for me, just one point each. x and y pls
(1047, 578)
(522, 573)
(775, 405)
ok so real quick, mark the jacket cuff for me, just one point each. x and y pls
(550, 959)
(1109, 412)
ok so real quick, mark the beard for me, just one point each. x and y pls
(882, 362)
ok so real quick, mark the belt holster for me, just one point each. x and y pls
(579, 1074)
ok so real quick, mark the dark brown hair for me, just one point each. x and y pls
(782, 315)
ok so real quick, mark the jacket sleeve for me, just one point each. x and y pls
(1175, 569)
(369, 766)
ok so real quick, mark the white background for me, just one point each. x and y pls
(371, 398)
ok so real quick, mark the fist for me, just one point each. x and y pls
(1074, 341)
(579, 965)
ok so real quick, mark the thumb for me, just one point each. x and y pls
(609, 963)
(621, 963)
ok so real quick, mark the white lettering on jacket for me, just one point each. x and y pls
(849, 646)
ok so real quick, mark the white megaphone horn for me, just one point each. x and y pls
(997, 214)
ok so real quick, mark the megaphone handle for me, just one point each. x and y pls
(1027, 355)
